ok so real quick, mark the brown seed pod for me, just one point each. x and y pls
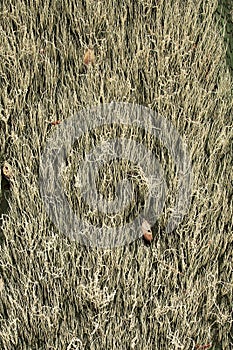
(56, 122)
(89, 57)
(7, 170)
(146, 230)
(53, 122)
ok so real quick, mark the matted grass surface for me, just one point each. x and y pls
(170, 57)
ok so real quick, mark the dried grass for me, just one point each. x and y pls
(168, 56)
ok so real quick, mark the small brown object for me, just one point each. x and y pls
(89, 57)
(146, 230)
(55, 122)
(7, 170)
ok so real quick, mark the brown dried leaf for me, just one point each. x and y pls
(89, 57)
(7, 170)
(146, 230)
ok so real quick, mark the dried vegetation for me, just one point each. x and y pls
(170, 57)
